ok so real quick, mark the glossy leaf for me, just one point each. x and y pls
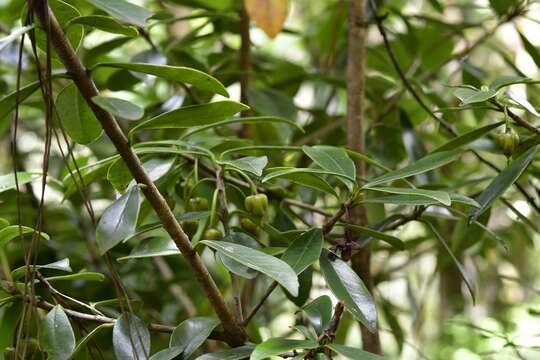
(179, 74)
(236, 353)
(84, 276)
(257, 260)
(96, 331)
(76, 116)
(233, 265)
(304, 251)
(7, 182)
(467, 137)
(193, 115)
(319, 312)
(472, 96)
(349, 288)
(274, 173)
(332, 159)
(14, 35)
(131, 338)
(246, 120)
(523, 102)
(168, 354)
(439, 196)
(353, 353)
(501, 182)
(62, 265)
(269, 15)
(106, 23)
(8, 103)
(191, 333)
(119, 220)
(310, 180)
(277, 346)
(57, 337)
(416, 200)
(11, 232)
(124, 11)
(119, 107)
(427, 163)
(251, 164)
(392, 240)
(158, 246)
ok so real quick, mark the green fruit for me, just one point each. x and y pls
(249, 226)
(197, 204)
(190, 227)
(256, 204)
(213, 234)
(508, 141)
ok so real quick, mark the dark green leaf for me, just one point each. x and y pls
(193, 115)
(131, 338)
(251, 164)
(309, 180)
(277, 346)
(57, 337)
(7, 182)
(319, 312)
(82, 343)
(119, 107)
(179, 74)
(8, 103)
(191, 333)
(304, 251)
(76, 116)
(353, 353)
(468, 137)
(123, 11)
(392, 240)
(119, 220)
(440, 196)
(427, 163)
(233, 265)
(106, 23)
(332, 159)
(501, 182)
(274, 173)
(158, 246)
(11, 232)
(349, 288)
(248, 121)
(531, 49)
(168, 354)
(274, 268)
(471, 96)
(236, 353)
(86, 276)
(62, 265)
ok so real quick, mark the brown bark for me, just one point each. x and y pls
(361, 261)
(245, 64)
(87, 88)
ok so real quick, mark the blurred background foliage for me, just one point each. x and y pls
(425, 309)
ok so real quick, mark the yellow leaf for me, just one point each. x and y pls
(269, 15)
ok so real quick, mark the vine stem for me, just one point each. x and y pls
(80, 76)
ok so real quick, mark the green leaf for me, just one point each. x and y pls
(233, 265)
(246, 120)
(531, 49)
(508, 80)
(353, 353)
(5, 41)
(333, 159)
(277, 346)
(11, 232)
(471, 96)
(309, 180)
(349, 288)
(7, 182)
(193, 115)
(319, 312)
(464, 276)
(179, 74)
(153, 247)
(427, 163)
(501, 182)
(85, 276)
(191, 333)
(272, 267)
(168, 354)
(304, 251)
(62, 265)
(57, 337)
(467, 137)
(105, 23)
(440, 196)
(522, 102)
(251, 164)
(274, 173)
(131, 338)
(119, 107)
(119, 220)
(8, 102)
(123, 11)
(82, 343)
(416, 200)
(236, 353)
(76, 116)
(392, 240)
